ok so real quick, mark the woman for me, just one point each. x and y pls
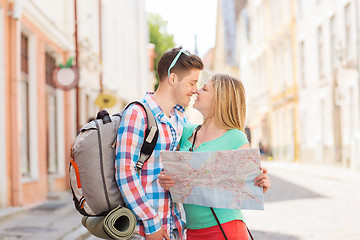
(222, 103)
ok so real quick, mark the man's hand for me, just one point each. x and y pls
(159, 235)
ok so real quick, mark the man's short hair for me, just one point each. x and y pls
(183, 64)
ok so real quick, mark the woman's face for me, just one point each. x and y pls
(205, 99)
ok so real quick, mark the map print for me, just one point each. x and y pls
(220, 179)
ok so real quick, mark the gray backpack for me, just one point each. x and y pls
(92, 168)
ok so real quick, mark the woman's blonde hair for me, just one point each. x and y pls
(229, 101)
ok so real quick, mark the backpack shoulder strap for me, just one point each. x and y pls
(151, 135)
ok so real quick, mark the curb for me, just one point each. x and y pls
(10, 213)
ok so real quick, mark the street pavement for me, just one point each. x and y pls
(308, 202)
(54, 219)
(305, 202)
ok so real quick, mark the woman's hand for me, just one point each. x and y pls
(263, 180)
(165, 181)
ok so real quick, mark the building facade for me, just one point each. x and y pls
(299, 61)
(39, 122)
(328, 43)
(113, 53)
(267, 53)
(35, 132)
(125, 51)
(225, 59)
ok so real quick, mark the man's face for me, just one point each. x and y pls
(185, 87)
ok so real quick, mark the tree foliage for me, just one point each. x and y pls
(160, 38)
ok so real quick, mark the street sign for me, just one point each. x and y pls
(66, 78)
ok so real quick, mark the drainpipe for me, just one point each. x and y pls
(77, 66)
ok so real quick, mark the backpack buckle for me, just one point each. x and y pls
(72, 153)
(139, 165)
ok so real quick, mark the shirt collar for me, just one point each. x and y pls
(156, 109)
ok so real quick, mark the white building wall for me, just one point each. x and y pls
(266, 69)
(38, 12)
(124, 49)
(58, 13)
(269, 55)
(89, 57)
(322, 130)
(125, 40)
(254, 72)
(143, 36)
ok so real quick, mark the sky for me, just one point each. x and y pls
(187, 18)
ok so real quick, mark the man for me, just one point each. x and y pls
(158, 217)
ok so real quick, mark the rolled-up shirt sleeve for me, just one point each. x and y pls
(129, 141)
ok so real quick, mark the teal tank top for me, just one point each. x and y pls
(198, 217)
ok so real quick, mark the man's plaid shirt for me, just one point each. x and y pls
(151, 204)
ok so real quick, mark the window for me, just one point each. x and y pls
(52, 133)
(24, 54)
(286, 11)
(277, 71)
(300, 8)
(289, 64)
(283, 62)
(302, 64)
(275, 14)
(276, 81)
(257, 22)
(278, 14)
(352, 110)
(348, 45)
(263, 76)
(50, 65)
(333, 41)
(304, 128)
(323, 121)
(247, 23)
(320, 52)
(24, 108)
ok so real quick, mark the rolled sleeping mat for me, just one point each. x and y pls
(120, 223)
